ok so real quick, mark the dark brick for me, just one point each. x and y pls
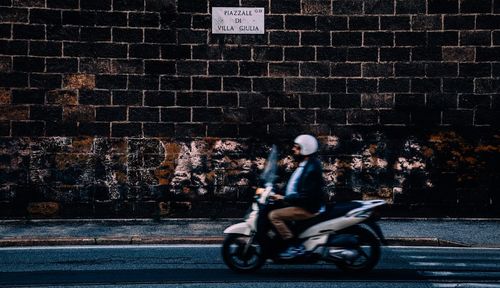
(111, 81)
(411, 38)
(130, 5)
(80, 18)
(441, 69)
(104, 50)
(458, 85)
(254, 100)
(155, 98)
(409, 101)
(284, 69)
(114, 19)
(442, 101)
(28, 128)
(159, 67)
(378, 39)
(331, 85)
(377, 100)
(94, 34)
(207, 115)
(28, 96)
(223, 99)
(394, 85)
(345, 69)
(48, 113)
(129, 129)
(93, 97)
(236, 115)
(191, 99)
(347, 38)
(458, 117)
(94, 129)
(331, 23)
(488, 22)
(394, 54)
(475, 70)
(425, 117)
(237, 53)
(5, 129)
(198, 6)
(300, 116)
(488, 54)
(45, 16)
(454, 22)
(127, 97)
(496, 38)
(190, 130)
(346, 100)
(442, 6)
(332, 54)
(369, 117)
(427, 54)
(111, 113)
(143, 114)
(442, 38)
(274, 22)
(207, 83)
(284, 38)
(473, 101)
(62, 33)
(237, 84)
(253, 69)
(267, 84)
(159, 36)
(13, 79)
(187, 36)
(286, 100)
(379, 7)
(63, 4)
(315, 100)
(475, 6)
(349, 7)
(486, 117)
(409, 69)
(222, 68)
(332, 117)
(315, 38)
(475, 38)
(158, 130)
(363, 23)
(61, 128)
(28, 64)
(487, 86)
(299, 84)
(299, 54)
(175, 83)
(267, 116)
(127, 66)
(127, 35)
(206, 52)
(13, 47)
(143, 19)
(222, 130)
(175, 114)
(15, 15)
(426, 85)
(46, 81)
(362, 54)
(394, 117)
(315, 69)
(139, 82)
(361, 86)
(175, 52)
(377, 70)
(30, 32)
(44, 48)
(293, 22)
(285, 6)
(95, 65)
(95, 5)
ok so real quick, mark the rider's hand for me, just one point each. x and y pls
(277, 197)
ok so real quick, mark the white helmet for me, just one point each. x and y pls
(308, 144)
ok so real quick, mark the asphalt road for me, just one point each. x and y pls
(201, 266)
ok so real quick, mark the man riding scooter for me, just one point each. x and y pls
(304, 196)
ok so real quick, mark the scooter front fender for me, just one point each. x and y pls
(240, 228)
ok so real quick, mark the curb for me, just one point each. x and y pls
(138, 240)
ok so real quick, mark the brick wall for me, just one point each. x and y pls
(133, 108)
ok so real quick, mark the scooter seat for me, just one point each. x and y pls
(331, 212)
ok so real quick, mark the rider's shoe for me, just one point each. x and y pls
(292, 252)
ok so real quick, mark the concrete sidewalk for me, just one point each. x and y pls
(409, 232)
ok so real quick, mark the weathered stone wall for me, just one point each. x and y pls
(132, 108)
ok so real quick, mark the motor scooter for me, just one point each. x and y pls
(344, 234)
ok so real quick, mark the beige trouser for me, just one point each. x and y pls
(279, 216)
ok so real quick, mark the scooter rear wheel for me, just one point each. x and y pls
(368, 249)
(242, 253)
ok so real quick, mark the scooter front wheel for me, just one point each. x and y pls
(242, 253)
